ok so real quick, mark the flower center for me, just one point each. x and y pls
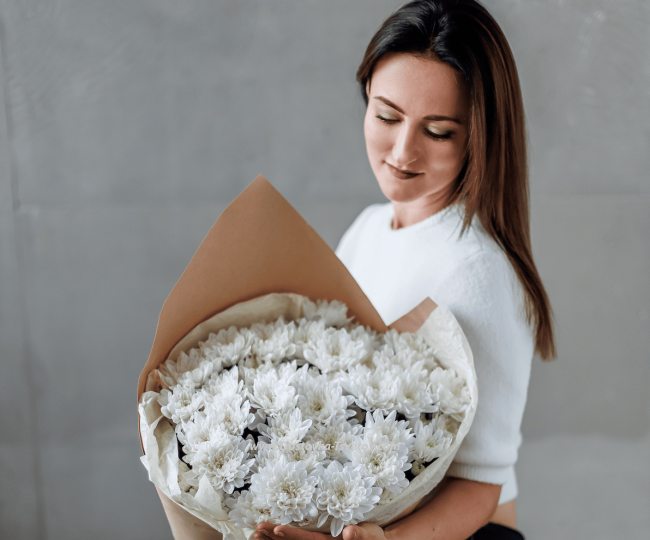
(341, 492)
(289, 489)
(376, 462)
(218, 461)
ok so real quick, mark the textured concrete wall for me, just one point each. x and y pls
(127, 126)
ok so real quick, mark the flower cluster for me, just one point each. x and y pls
(301, 422)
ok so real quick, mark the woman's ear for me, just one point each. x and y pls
(368, 87)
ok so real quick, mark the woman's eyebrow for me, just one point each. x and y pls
(434, 117)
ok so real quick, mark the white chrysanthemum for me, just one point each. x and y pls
(225, 385)
(211, 356)
(335, 351)
(312, 455)
(304, 332)
(288, 371)
(453, 393)
(171, 370)
(409, 349)
(198, 376)
(414, 395)
(287, 489)
(287, 427)
(384, 359)
(373, 389)
(442, 421)
(370, 340)
(332, 313)
(396, 431)
(245, 513)
(276, 346)
(268, 454)
(305, 373)
(383, 460)
(408, 359)
(265, 330)
(323, 401)
(406, 340)
(180, 404)
(224, 461)
(230, 345)
(202, 428)
(333, 438)
(346, 494)
(232, 413)
(250, 369)
(430, 442)
(272, 394)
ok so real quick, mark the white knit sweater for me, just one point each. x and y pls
(471, 276)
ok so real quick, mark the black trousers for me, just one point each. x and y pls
(493, 531)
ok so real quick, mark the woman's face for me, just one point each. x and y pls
(416, 129)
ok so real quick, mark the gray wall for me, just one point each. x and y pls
(127, 126)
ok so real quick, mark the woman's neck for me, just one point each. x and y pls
(409, 213)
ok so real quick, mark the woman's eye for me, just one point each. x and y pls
(386, 120)
(430, 133)
(439, 136)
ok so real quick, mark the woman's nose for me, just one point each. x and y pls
(405, 147)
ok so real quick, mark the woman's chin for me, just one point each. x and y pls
(414, 189)
(395, 192)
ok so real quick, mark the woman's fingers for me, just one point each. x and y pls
(290, 533)
(352, 532)
(364, 531)
(264, 531)
(285, 532)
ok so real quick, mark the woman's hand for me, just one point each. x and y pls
(363, 531)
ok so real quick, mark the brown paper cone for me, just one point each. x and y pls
(414, 319)
(259, 245)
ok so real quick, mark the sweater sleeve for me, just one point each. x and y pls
(485, 296)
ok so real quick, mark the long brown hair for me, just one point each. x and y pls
(494, 180)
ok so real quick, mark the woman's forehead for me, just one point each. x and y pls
(420, 86)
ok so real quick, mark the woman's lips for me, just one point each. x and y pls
(401, 174)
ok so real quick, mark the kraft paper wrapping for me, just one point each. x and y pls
(256, 263)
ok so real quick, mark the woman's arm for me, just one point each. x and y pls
(459, 509)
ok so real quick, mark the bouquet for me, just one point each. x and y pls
(286, 410)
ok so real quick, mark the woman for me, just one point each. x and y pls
(445, 136)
